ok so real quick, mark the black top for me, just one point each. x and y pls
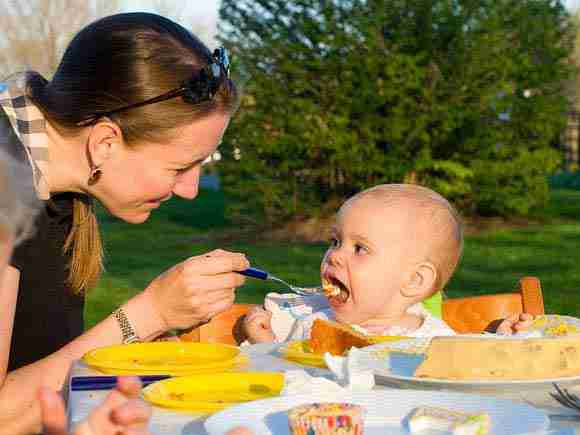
(48, 314)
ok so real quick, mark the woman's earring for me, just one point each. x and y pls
(94, 176)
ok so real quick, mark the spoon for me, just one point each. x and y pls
(263, 275)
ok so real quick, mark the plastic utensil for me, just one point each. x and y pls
(253, 272)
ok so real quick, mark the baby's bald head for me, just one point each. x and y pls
(429, 223)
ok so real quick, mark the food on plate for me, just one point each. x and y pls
(553, 325)
(440, 419)
(335, 338)
(329, 289)
(326, 419)
(472, 358)
(562, 329)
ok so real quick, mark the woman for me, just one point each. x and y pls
(135, 107)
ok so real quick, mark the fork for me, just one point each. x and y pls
(565, 398)
(263, 275)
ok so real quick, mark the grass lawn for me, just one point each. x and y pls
(493, 261)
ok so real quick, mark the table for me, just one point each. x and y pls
(263, 357)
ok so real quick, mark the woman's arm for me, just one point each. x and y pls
(184, 296)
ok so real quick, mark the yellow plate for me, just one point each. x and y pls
(173, 358)
(299, 351)
(209, 393)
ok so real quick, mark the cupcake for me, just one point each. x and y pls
(326, 419)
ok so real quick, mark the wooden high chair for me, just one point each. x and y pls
(474, 314)
(470, 314)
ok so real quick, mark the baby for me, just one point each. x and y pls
(392, 246)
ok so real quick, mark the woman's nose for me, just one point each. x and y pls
(187, 184)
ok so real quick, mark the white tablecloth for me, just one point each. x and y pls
(263, 358)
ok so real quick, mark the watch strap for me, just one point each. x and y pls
(127, 331)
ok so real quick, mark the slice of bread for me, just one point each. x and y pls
(336, 338)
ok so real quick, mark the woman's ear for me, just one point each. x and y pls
(422, 281)
(103, 138)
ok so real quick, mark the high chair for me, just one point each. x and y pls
(472, 314)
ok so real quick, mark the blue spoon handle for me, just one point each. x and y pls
(252, 272)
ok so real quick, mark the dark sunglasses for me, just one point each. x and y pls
(200, 88)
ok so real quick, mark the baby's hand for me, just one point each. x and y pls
(257, 326)
(515, 323)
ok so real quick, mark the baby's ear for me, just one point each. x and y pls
(421, 282)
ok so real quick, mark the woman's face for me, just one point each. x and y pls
(136, 180)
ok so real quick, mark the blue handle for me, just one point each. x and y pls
(90, 383)
(252, 272)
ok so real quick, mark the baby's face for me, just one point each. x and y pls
(366, 260)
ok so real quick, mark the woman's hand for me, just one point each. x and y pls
(196, 290)
(120, 413)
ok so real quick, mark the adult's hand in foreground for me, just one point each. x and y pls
(194, 291)
(122, 412)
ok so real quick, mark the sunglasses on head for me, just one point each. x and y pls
(198, 89)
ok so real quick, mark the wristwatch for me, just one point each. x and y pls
(127, 331)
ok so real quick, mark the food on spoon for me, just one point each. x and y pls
(335, 338)
(330, 290)
(326, 419)
(472, 358)
(441, 419)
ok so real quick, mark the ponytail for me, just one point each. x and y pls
(83, 242)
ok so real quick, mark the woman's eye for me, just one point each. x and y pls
(360, 249)
(180, 171)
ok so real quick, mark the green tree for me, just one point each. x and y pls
(343, 94)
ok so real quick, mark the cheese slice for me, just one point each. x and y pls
(472, 358)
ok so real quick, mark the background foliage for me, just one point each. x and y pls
(462, 95)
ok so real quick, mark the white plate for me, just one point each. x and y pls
(386, 412)
(400, 367)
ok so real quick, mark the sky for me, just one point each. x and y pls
(207, 9)
(201, 13)
(201, 8)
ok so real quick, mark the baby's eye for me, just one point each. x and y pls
(334, 242)
(360, 249)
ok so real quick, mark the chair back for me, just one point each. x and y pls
(475, 314)
(470, 314)
(224, 328)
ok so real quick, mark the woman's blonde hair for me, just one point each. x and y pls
(113, 62)
(18, 203)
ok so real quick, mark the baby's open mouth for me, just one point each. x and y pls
(334, 289)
